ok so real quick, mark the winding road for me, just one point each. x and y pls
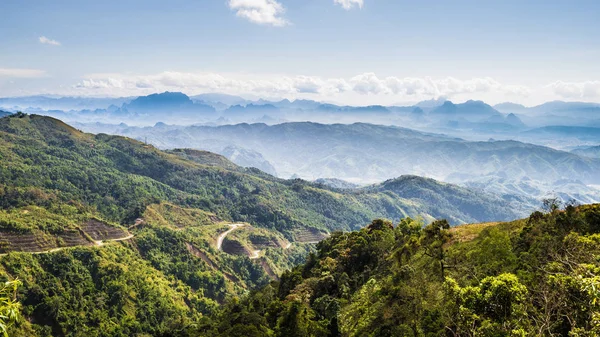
(224, 234)
(101, 242)
(232, 227)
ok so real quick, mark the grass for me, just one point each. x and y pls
(469, 232)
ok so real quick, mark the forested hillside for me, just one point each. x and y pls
(117, 178)
(532, 277)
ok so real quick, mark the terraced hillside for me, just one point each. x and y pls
(37, 229)
(100, 231)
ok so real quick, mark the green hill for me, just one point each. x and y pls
(118, 178)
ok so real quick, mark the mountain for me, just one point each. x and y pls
(470, 110)
(220, 98)
(436, 193)
(556, 113)
(513, 120)
(61, 103)
(248, 158)
(153, 240)
(581, 133)
(432, 103)
(250, 111)
(167, 102)
(592, 152)
(95, 164)
(509, 107)
(366, 153)
(336, 183)
(163, 242)
(560, 106)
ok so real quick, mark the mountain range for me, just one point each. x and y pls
(366, 153)
(49, 155)
(473, 120)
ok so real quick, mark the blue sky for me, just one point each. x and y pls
(349, 51)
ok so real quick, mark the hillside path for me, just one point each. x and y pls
(101, 242)
(57, 249)
(223, 235)
(255, 254)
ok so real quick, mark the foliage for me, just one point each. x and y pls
(528, 278)
(9, 306)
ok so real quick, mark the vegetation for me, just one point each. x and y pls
(9, 306)
(533, 277)
(62, 192)
(44, 161)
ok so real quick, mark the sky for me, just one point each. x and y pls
(358, 52)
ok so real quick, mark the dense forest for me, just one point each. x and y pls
(532, 277)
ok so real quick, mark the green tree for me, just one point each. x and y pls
(9, 306)
(435, 236)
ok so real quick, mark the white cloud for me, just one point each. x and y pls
(21, 73)
(370, 84)
(267, 12)
(363, 85)
(576, 90)
(45, 40)
(349, 4)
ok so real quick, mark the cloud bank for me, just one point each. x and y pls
(367, 84)
(265, 12)
(45, 40)
(576, 90)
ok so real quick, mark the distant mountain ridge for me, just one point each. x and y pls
(470, 109)
(592, 151)
(473, 120)
(167, 102)
(312, 149)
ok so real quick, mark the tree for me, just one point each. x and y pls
(551, 205)
(493, 308)
(9, 306)
(435, 236)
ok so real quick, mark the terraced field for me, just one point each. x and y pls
(234, 247)
(25, 242)
(73, 238)
(100, 231)
(306, 235)
(263, 242)
(37, 241)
